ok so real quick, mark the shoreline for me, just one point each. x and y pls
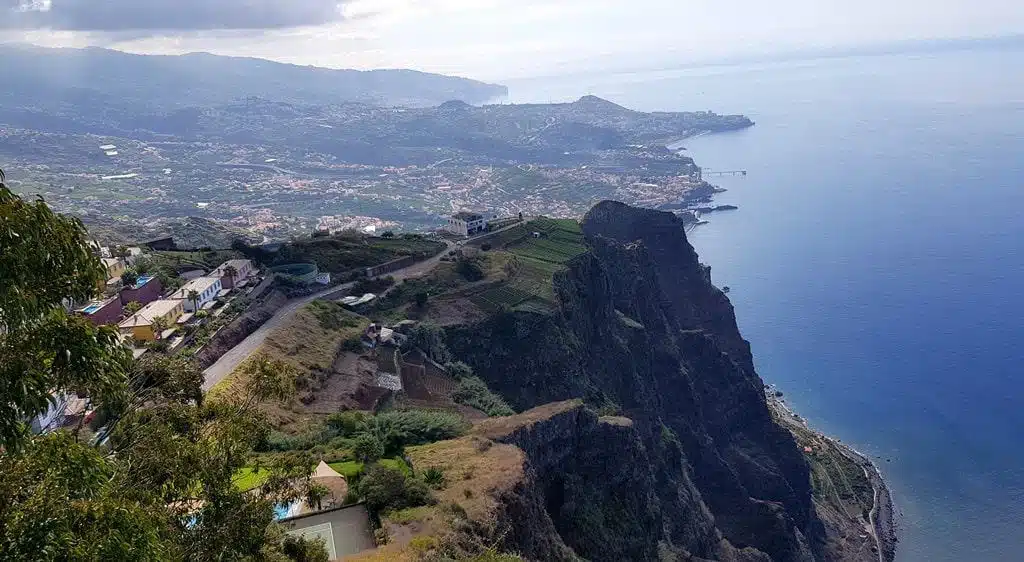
(882, 517)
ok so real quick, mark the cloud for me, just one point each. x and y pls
(166, 15)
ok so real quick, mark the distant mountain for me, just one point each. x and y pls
(47, 79)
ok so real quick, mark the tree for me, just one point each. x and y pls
(129, 278)
(132, 307)
(231, 272)
(387, 234)
(385, 488)
(159, 324)
(46, 258)
(368, 448)
(421, 299)
(469, 269)
(430, 339)
(193, 297)
(160, 487)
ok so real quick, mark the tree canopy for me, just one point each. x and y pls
(151, 477)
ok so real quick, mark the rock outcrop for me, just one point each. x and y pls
(700, 469)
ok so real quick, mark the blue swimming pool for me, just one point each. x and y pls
(92, 308)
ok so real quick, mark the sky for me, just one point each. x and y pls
(499, 39)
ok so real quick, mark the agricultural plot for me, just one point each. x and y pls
(559, 241)
(498, 297)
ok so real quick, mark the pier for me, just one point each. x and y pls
(709, 173)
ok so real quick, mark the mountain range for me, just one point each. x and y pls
(51, 78)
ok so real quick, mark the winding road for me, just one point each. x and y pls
(232, 359)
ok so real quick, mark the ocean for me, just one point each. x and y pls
(876, 263)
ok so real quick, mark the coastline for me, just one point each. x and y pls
(880, 523)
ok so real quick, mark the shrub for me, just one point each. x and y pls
(473, 392)
(353, 344)
(385, 489)
(486, 246)
(434, 477)
(430, 339)
(469, 269)
(415, 427)
(459, 370)
(301, 549)
(347, 424)
(421, 299)
(368, 448)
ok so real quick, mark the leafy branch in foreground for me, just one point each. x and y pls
(160, 486)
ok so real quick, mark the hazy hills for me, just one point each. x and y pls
(47, 79)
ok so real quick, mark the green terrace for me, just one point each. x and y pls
(541, 248)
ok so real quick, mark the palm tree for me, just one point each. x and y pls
(230, 272)
(158, 325)
(193, 296)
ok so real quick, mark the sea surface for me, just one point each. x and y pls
(876, 263)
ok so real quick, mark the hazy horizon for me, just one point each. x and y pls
(497, 40)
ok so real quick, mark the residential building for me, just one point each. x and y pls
(244, 269)
(145, 290)
(465, 223)
(115, 267)
(205, 287)
(140, 324)
(102, 312)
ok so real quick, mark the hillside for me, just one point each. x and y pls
(687, 460)
(49, 80)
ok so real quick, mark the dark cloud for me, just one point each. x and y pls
(165, 15)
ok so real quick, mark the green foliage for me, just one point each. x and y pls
(353, 345)
(128, 278)
(434, 478)
(376, 285)
(301, 549)
(472, 391)
(459, 370)
(399, 429)
(45, 259)
(430, 339)
(368, 448)
(386, 489)
(470, 269)
(421, 298)
(333, 316)
(170, 456)
(348, 424)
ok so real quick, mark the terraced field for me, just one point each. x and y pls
(538, 258)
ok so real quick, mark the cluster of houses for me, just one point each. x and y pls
(158, 315)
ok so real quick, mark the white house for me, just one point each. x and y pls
(244, 269)
(465, 223)
(207, 289)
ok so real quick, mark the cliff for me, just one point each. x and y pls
(701, 469)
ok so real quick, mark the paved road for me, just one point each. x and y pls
(232, 359)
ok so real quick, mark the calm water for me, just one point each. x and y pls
(877, 265)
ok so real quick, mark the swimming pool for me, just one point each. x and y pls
(92, 308)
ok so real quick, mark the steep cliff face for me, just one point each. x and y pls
(640, 327)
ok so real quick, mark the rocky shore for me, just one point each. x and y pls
(877, 521)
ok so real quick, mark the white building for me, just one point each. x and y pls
(207, 289)
(244, 269)
(466, 224)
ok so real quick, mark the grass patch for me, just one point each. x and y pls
(249, 479)
(349, 469)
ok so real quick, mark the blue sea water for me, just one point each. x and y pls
(877, 263)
